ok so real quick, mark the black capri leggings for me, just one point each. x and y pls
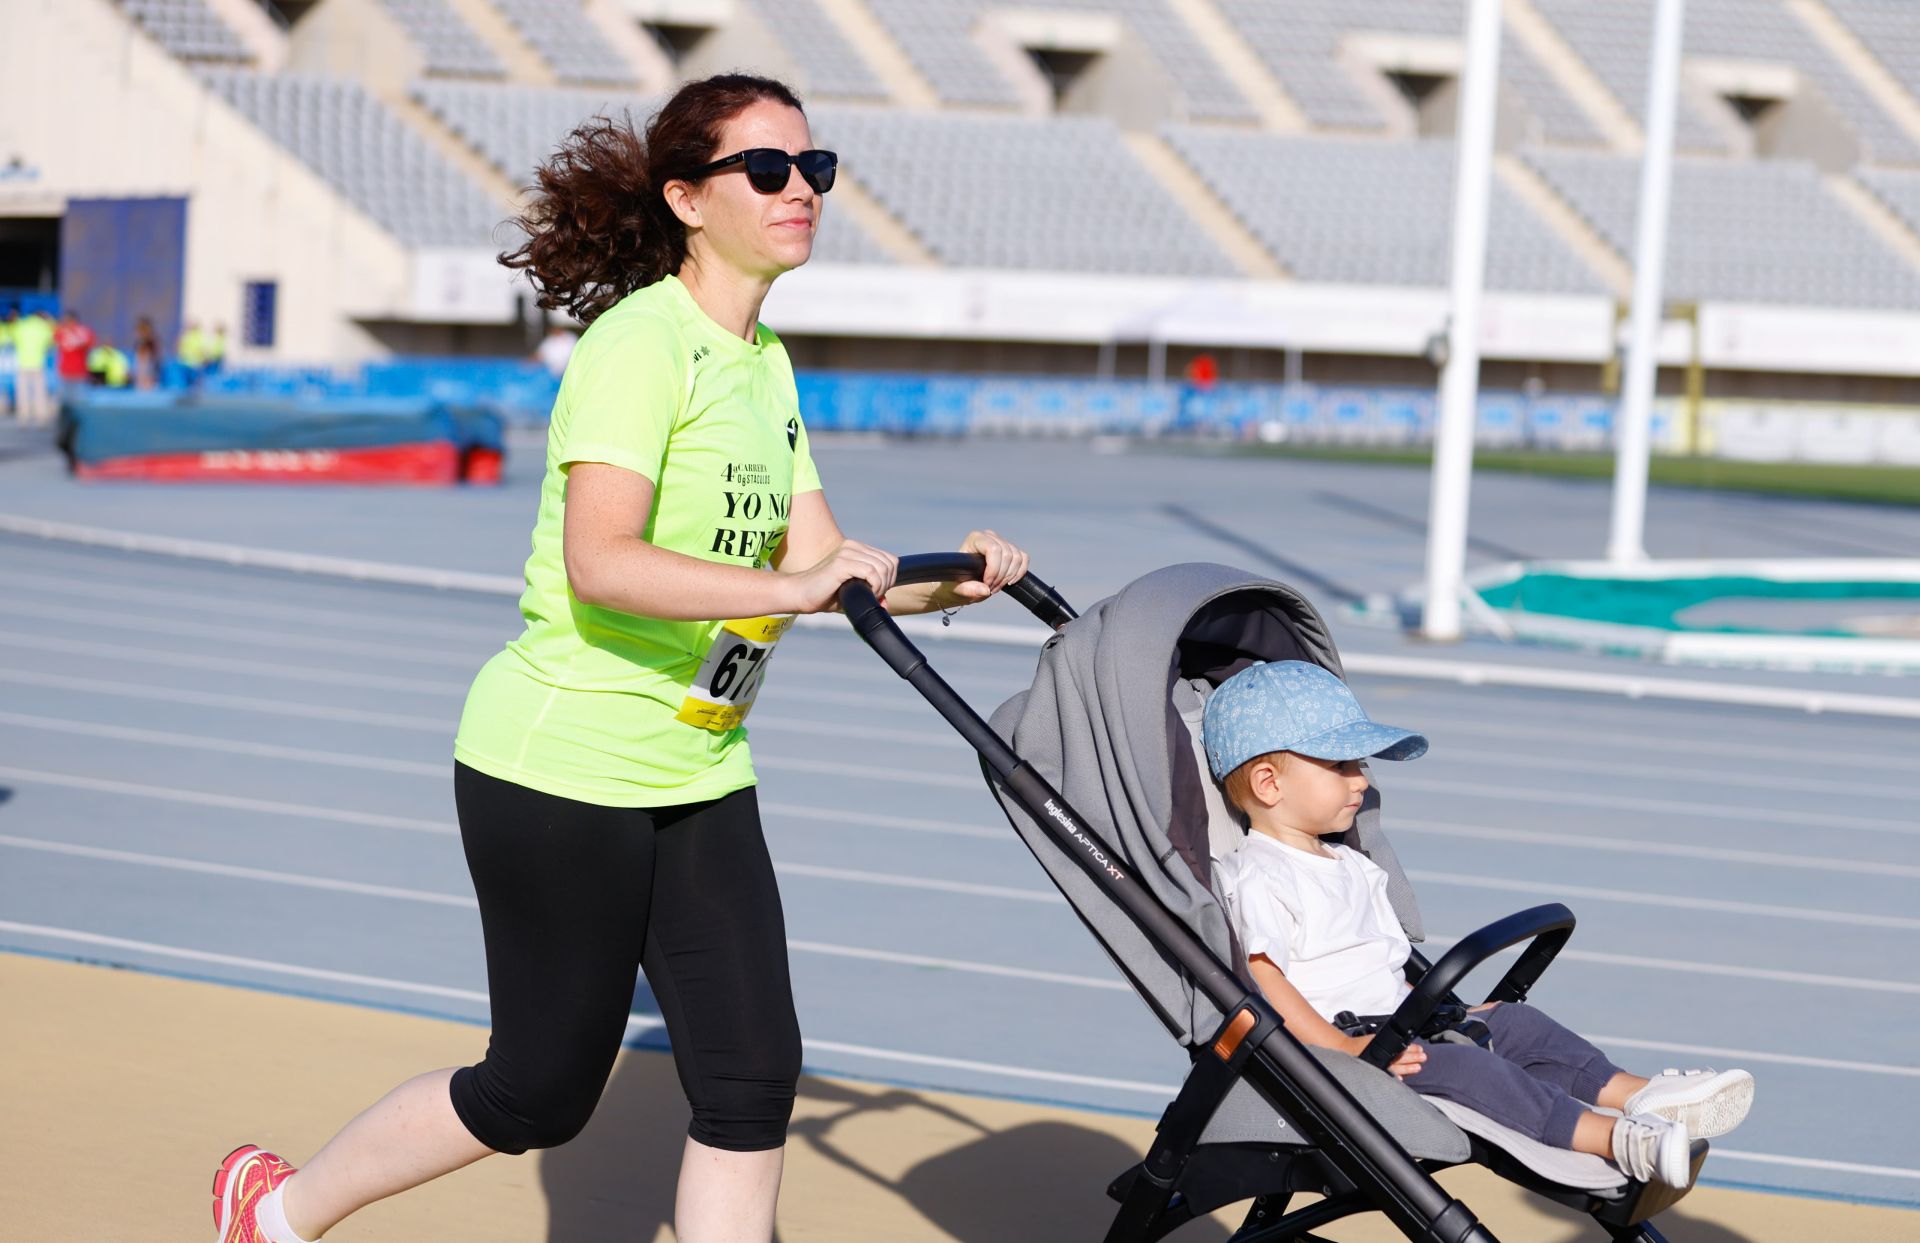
(575, 898)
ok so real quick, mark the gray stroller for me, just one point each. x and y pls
(1098, 768)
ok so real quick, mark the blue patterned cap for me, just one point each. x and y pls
(1290, 705)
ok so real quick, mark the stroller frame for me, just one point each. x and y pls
(1353, 1161)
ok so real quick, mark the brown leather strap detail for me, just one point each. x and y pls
(1230, 1039)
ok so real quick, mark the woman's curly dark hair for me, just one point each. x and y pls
(597, 225)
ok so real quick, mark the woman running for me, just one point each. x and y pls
(602, 777)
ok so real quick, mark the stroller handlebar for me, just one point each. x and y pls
(948, 567)
(1547, 926)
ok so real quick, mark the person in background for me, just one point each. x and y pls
(32, 346)
(72, 341)
(192, 349)
(555, 349)
(146, 354)
(108, 367)
(216, 349)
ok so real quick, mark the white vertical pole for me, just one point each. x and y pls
(1626, 541)
(1460, 375)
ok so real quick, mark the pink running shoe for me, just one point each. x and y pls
(241, 1182)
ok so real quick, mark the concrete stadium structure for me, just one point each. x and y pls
(1055, 186)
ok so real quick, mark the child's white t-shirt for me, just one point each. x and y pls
(1325, 922)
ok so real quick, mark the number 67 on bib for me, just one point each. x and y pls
(723, 691)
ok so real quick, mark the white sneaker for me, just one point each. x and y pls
(1710, 1103)
(1649, 1148)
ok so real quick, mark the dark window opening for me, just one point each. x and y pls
(674, 41)
(1417, 88)
(1061, 68)
(1752, 109)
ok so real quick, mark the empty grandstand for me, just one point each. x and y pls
(1053, 185)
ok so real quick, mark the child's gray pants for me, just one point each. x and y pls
(1533, 1079)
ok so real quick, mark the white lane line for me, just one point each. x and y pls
(891, 880)
(225, 746)
(1676, 807)
(235, 960)
(307, 811)
(468, 902)
(958, 964)
(257, 636)
(237, 872)
(1818, 1163)
(1819, 979)
(1694, 774)
(1547, 888)
(907, 824)
(1579, 736)
(997, 1069)
(1644, 846)
(1552, 890)
(1446, 703)
(1633, 686)
(240, 703)
(871, 772)
(1736, 1056)
(1662, 806)
(122, 594)
(227, 665)
(263, 558)
(947, 741)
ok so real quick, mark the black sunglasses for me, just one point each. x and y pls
(769, 167)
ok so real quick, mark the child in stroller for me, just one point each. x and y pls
(1286, 740)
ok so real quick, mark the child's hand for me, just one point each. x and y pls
(1409, 1062)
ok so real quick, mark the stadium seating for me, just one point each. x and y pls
(937, 36)
(515, 129)
(367, 153)
(1299, 43)
(1890, 32)
(1898, 188)
(828, 64)
(571, 45)
(1613, 39)
(1741, 231)
(1063, 194)
(1301, 196)
(189, 30)
(447, 42)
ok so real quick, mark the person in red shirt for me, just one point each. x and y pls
(73, 340)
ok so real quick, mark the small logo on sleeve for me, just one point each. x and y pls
(793, 434)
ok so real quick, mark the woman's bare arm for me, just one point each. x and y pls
(609, 563)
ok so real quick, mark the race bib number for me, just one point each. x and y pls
(723, 690)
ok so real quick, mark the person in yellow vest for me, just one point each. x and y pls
(32, 352)
(216, 348)
(109, 367)
(192, 350)
(604, 787)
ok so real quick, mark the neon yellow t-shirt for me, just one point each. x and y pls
(32, 342)
(584, 703)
